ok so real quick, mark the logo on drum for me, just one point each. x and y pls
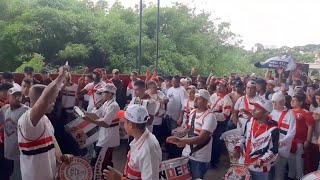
(79, 169)
(175, 170)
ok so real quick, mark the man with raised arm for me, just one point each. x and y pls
(38, 147)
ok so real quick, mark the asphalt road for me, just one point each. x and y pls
(119, 160)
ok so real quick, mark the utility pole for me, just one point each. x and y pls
(158, 31)
(140, 45)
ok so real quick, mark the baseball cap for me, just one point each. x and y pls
(44, 71)
(273, 82)
(238, 83)
(98, 71)
(203, 93)
(14, 90)
(108, 87)
(28, 70)
(251, 84)
(278, 96)
(223, 82)
(134, 113)
(115, 71)
(263, 104)
(192, 87)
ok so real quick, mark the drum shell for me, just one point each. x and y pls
(177, 169)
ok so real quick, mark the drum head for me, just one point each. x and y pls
(78, 169)
(312, 176)
(237, 172)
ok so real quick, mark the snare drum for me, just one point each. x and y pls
(237, 172)
(231, 139)
(312, 176)
(177, 169)
(83, 132)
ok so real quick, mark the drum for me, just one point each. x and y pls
(78, 169)
(237, 172)
(312, 176)
(83, 132)
(231, 139)
(177, 169)
(242, 123)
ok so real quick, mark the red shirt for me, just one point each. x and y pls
(304, 119)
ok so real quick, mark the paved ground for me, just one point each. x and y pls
(119, 159)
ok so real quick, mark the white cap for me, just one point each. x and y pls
(108, 87)
(135, 113)
(183, 81)
(14, 90)
(278, 96)
(251, 83)
(273, 82)
(263, 104)
(203, 93)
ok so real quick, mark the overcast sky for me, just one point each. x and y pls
(270, 22)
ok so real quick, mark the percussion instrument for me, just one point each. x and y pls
(177, 169)
(83, 132)
(180, 132)
(237, 172)
(231, 139)
(78, 169)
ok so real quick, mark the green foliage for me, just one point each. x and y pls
(37, 62)
(97, 34)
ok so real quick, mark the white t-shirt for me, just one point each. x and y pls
(144, 158)
(188, 106)
(287, 130)
(11, 148)
(109, 137)
(94, 97)
(150, 105)
(69, 96)
(159, 107)
(36, 144)
(203, 121)
(176, 98)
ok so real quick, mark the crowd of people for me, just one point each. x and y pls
(183, 117)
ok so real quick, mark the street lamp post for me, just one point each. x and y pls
(158, 31)
(140, 45)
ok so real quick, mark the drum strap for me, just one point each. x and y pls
(191, 134)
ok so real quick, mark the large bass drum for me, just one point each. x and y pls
(237, 172)
(175, 169)
(312, 176)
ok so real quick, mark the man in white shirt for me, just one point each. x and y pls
(221, 105)
(287, 127)
(12, 112)
(142, 98)
(8, 77)
(198, 145)
(144, 157)
(39, 150)
(109, 137)
(91, 90)
(243, 107)
(174, 99)
(130, 91)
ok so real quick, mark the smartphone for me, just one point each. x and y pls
(78, 111)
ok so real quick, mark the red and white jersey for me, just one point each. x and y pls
(203, 121)
(260, 141)
(221, 105)
(94, 97)
(36, 144)
(144, 158)
(109, 137)
(150, 105)
(304, 120)
(287, 127)
(130, 90)
(243, 103)
(188, 106)
(69, 96)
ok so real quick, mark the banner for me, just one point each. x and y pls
(285, 61)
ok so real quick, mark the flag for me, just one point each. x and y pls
(285, 61)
